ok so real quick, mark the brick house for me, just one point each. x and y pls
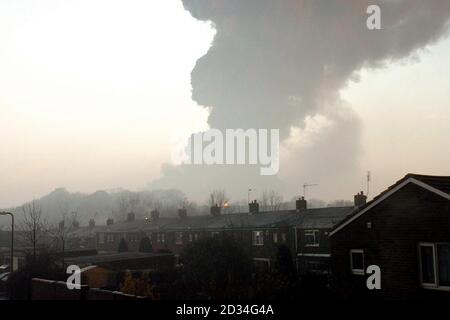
(303, 230)
(406, 232)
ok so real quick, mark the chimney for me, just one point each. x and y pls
(91, 223)
(109, 221)
(154, 214)
(75, 224)
(182, 213)
(130, 217)
(253, 207)
(360, 199)
(215, 210)
(301, 204)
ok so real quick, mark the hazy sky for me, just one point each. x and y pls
(92, 93)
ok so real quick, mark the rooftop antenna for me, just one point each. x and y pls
(307, 185)
(368, 183)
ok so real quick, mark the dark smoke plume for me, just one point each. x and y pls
(274, 63)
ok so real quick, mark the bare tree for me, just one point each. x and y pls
(218, 197)
(123, 205)
(34, 226)
(271, 201)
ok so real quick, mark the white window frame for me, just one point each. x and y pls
(315, 233)
(434, 285)
(265, 260)
(275, 237)
(109, 238)
(357, 271)
(179, 237)
(258, 238)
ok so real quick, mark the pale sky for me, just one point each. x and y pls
(92, 95)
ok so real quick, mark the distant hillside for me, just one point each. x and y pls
(101, 205)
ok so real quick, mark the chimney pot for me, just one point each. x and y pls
(301, 204)
(182, 213)
(154, 214)
(130, 217)
(360, 199)
(253, 207)
(215, 210)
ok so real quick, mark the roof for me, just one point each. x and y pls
(439, 185)
(308, 218)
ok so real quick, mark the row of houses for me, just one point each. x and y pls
(304, 231)
(404, 231)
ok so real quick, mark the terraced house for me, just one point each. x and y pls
(303, 230)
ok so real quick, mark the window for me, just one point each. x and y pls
(195, 237)
(435, 265)
(191, 238)
(214, 234)
(110, 238)
(357, 261)
(258, 238)
(178, 237)
(261, 265)
(101, 238)
(160, 238)
(312, 238)
(275, 237)
(283, 237)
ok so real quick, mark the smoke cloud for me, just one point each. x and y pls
(282, 64)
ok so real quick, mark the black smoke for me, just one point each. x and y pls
(274, 63)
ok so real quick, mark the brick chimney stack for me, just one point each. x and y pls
(253, 207)
(130, 217)
(109, 221)
(360, 199)
(301, 204)
(182, 213)
(215, 210)
(154, 214)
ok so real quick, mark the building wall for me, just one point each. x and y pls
(313, 258)
(398, 224)
(167, 240)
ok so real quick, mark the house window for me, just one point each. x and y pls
(191, 238)
(261, 264)
(312, 238)
(110, 238)
(195, 237)
(214, 234)
(275, 237)
(435, 265)
(258, 238)
(178, 237)
(160, 238)
(101, 238)
(283, 237)
(357, 261)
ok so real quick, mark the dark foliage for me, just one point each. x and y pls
(44, 265)
(216, 268)
(123, 246)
